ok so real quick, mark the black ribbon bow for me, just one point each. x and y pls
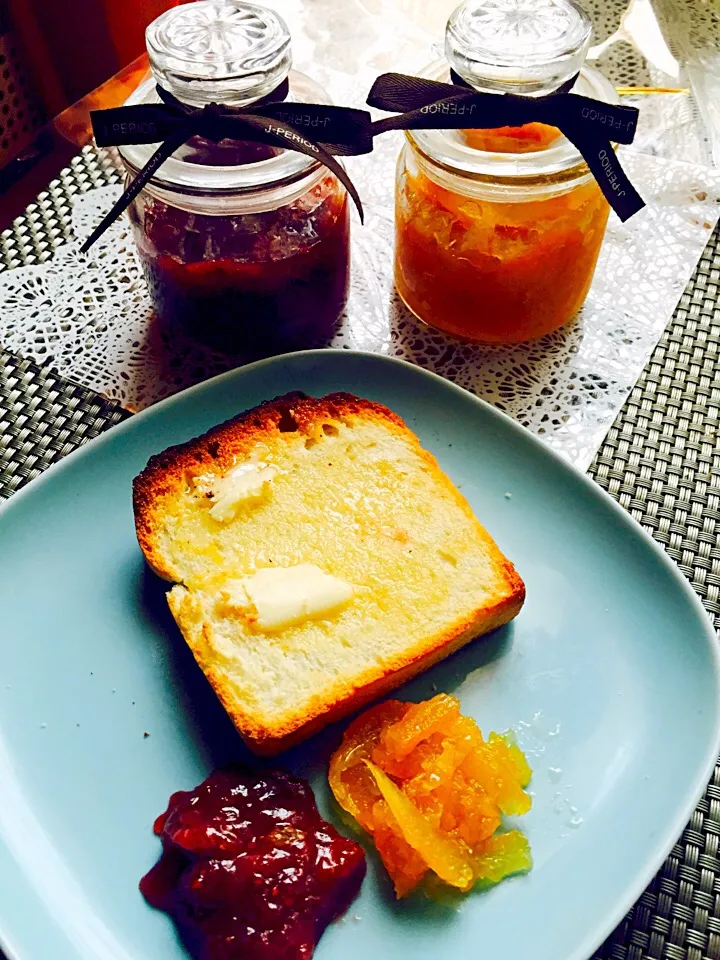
(588, 124)
(317, 130)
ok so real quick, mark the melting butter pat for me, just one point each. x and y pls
(278, 597)
(244, 483)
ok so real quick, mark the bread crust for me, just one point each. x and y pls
(217, 451)
(346, 698)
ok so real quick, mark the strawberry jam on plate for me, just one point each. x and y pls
(249, 869)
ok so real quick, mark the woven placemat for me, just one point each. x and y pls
(660, 460)
(43, 418)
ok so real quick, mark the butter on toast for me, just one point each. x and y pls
(320, 558)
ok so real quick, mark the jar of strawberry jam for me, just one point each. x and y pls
(244, 246)
(498, 231)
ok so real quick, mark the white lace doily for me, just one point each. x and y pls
(90, 316)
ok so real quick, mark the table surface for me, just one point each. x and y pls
(61, 140)
(660, 460)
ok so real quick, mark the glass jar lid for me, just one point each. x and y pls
(525, 47)
(229, 52)
(517, 46)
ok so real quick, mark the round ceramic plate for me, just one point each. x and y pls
(609, 675)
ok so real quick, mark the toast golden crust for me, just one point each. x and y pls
(347, 698)
(216, 452)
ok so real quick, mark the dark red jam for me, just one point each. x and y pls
(252, 283)
(249, 869)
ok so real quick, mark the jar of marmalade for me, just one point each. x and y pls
(498, 231)
(243, 245)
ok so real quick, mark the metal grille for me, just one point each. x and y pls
(21, 114)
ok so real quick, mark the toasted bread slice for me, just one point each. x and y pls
(339, 487)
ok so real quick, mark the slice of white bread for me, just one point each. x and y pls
(345, 486)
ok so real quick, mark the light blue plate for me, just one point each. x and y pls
(609, 674)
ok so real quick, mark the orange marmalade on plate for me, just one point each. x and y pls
(498, 231)
(431, 791)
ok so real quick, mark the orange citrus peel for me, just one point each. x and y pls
(431, 791)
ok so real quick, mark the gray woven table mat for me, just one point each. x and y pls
(661, 460)
(43, 418)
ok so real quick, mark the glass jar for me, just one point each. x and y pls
(498, 231)
(244, 246)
